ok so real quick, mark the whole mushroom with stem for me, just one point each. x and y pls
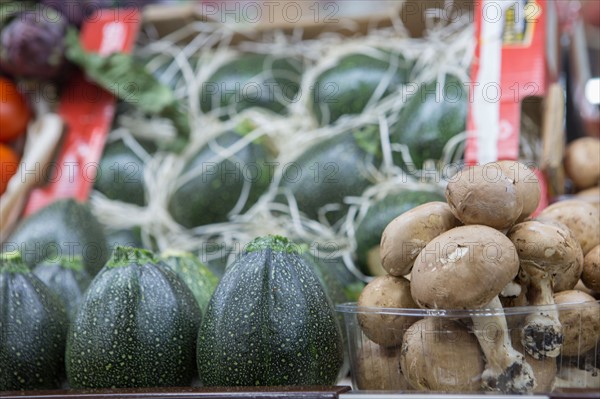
(466, 268)
(545, 251)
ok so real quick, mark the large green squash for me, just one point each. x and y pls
(65, 227)
(252, 80)
(269, 322)
(121, 173)
(33, 328)
(348, 86)
(67, 278)
(216, 188)
(331, 170)
(429, 120)
(195, 274)
(136, 326)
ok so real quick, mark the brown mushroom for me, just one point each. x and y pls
(405, 236)
(466, 268)
(545, 251)
(386, 292)
(581, 287)
(591, 195)
(484, 195)
(441, 355)
(590, 276)
(568, 279)
(478, 257)
(581, 324)
(378, 368)
(526, 183)
(580, 217)
(582, 162)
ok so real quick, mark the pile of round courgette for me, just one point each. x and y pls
(322, 141)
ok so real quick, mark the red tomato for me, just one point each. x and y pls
(14, 112)
(9, 162)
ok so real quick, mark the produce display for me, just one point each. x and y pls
(323, 141)
(284, 208)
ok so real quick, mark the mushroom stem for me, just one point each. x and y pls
(506, 369)
(542, 334)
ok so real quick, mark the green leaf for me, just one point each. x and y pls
(129, 80)
(120, 74)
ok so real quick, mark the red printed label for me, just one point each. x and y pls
(509, 65)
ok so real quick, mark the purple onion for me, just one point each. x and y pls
(33, 44)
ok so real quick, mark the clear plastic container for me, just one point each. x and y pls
(440, 350)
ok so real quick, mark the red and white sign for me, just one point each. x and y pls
(512, 62)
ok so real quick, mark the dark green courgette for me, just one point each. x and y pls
(429, 120)
(213, 193)
(252, 80)
(64, 228)
(195, 274)
(121, 174)
(331, 170)
(347, 87)
(67, 278)
(33, 327)
(269, 322)
(136, 326)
